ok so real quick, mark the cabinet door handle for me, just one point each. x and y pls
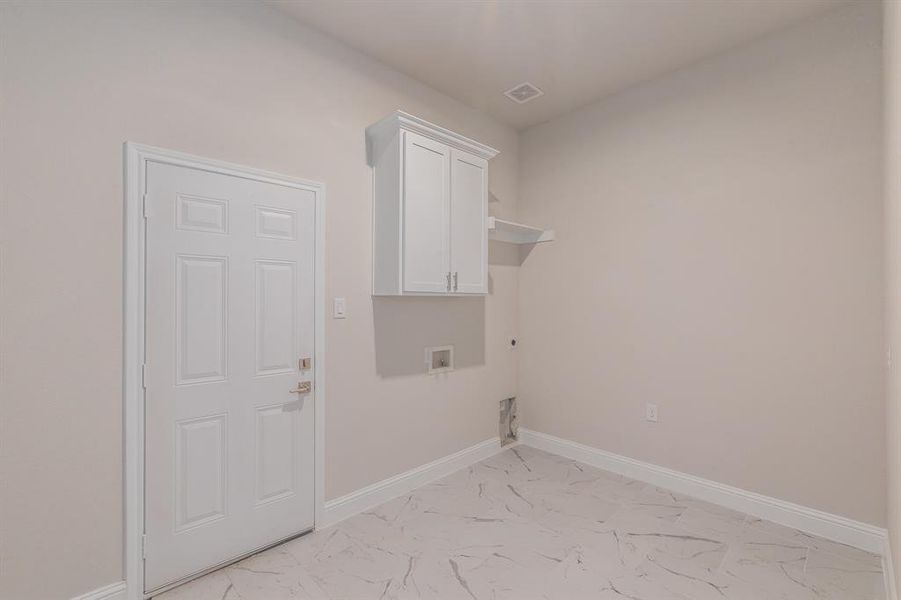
(448, 281)
(455, 280)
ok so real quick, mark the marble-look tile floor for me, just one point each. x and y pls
(527, 524)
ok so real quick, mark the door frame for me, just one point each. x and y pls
(136, 158)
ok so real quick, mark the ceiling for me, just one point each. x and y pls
(576, 51)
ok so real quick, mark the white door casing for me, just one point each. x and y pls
(469, 235)
(233, 281)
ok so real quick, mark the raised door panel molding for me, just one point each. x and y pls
(194, 213)
(276, 450)
(201, 450)
(201, 319)
(276, 306)
(277, 223)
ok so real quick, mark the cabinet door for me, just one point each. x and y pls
(469, 232)
(426, 220)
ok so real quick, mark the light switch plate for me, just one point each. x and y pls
(340, 308)
(651, 413)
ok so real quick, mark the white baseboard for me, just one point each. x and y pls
(840, 529)
(372, 495)
(888, 569)
(833, 527)
(113, 591)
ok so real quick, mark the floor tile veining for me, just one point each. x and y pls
(527, 524)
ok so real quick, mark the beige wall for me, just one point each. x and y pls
(237, 82)
(719, 253)
(892, 70)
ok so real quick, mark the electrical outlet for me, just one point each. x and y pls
(650, 413)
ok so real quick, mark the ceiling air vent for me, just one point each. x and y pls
(523, 92)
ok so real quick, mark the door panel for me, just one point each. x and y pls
(229, 312)
(426, 199)
(275, 452)
(469, 232)
(202, 214)
(276, 305)
(200, 318)
(201, 465)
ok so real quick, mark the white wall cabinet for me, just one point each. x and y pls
(430, 209)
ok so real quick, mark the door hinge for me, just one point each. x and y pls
(144, 206)
(144, 546)
(144, 376)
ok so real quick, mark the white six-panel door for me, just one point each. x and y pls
(229, 463)
(469, 235)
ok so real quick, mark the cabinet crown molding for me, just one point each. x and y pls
(379, 133)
